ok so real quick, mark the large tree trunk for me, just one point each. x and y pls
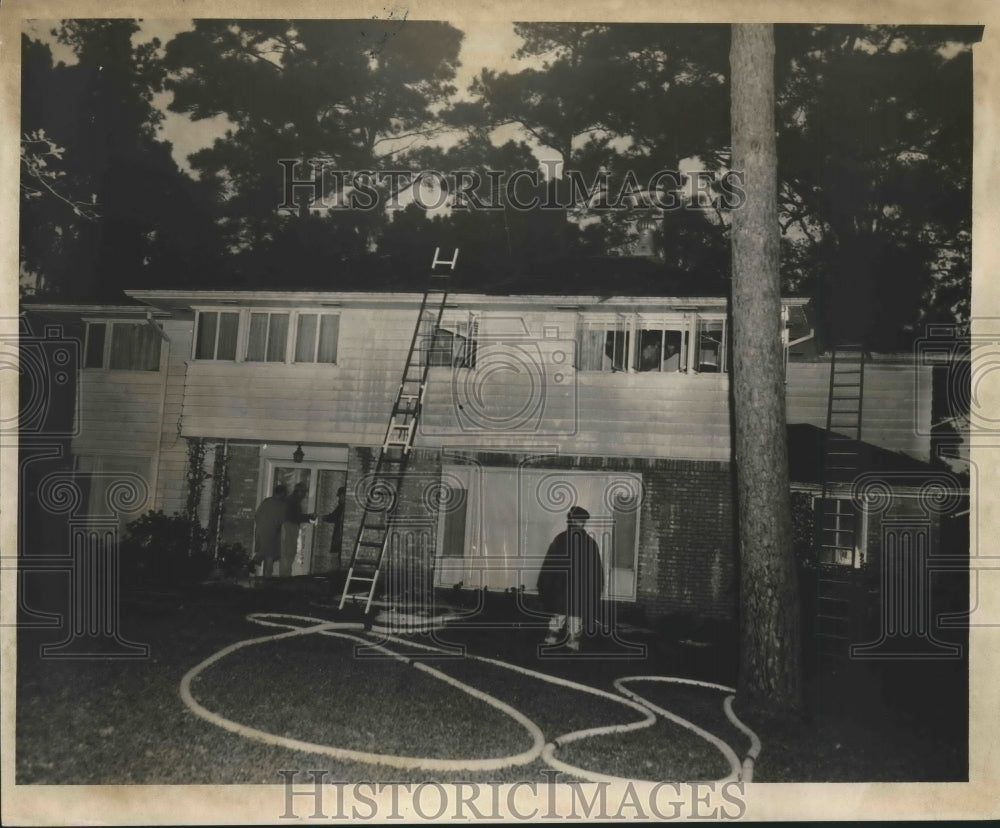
(770, 673)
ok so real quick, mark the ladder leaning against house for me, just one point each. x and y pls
(836, 518)
(381, 496)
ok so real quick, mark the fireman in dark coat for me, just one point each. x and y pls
(571, 581)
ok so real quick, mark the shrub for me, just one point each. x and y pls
(803, 521)
(165, 548)
(232, 559)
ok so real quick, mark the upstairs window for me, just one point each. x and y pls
(267, 340)
(677, 343)
(216, 335)
(603, 345)
(131, 346)
(454, 343)
(661, 349)
(711, 343)
(94, 349)
(316, 337)
(301, 337)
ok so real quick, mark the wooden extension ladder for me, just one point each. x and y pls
(836, 518)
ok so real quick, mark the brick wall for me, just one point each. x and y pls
(410, 560)
(687, 558)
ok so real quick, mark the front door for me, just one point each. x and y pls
(315, 555)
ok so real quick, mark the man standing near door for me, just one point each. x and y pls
(295, 516)
(268, 520)
(336, 517)
(571, 581)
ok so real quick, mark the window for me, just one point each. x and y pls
(454, 344)
(96, 474)
(842, 531)
(689, 343)
(303, 337)
(661, 349)
(94, 352)
(711, 355)
(133, 346)
(316, 337)
(267, 340)
(603, 345)
(496, 524)
(216, 335)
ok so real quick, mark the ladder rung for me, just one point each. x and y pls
(376, 544)
(361, 578)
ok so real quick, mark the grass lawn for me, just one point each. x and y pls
(117, 722)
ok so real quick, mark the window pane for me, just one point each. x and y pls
(148, 341)
(441, 348)
(229, 326)
(616, 349)
(710, 339)
(95, 346)
(277, 337)
(673, 353)
(305, 339)
(257, 339)
(205, 338)
(134, 348)
(650, 352)
(121, 347)
(328, 333)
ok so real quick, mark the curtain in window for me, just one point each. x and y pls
(135, 347)
(305, 339)
(205, 336)
(229, 326)
(257, 337)
(277, 337)
(590, 348)
(329, 331)
(95, 346)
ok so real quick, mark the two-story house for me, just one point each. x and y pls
(535, 402)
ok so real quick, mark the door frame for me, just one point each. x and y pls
(316, 459)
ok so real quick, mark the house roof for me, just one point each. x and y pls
(805, 459)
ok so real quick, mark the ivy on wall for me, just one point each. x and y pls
(220, 491)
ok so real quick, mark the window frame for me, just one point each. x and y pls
(268, 313)
(317, 338)
(109, 333)
(859, 557)
(218, 327)
(453, 323)
(632, 327)
(243, 334)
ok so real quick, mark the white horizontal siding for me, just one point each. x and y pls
(657, 415)
(893, 416)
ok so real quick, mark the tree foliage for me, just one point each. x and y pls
(118, 212)
(875, 164)
(355, 92)
(874, 146)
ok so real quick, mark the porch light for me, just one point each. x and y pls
(298, 455)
